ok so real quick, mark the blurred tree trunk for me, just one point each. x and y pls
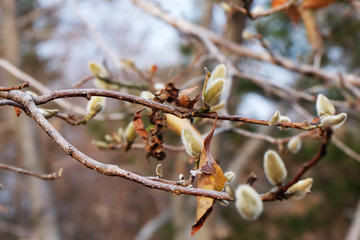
(235, 22)
(42, 210)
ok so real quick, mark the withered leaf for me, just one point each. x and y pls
(169, 94)
(212, 178)
(184, 97)
(139, 126)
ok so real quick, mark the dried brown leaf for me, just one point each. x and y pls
(184, 97)
(212, 178)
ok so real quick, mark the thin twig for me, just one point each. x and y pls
(18, 87)
(280, 193)
(50, 176)
(177, 111)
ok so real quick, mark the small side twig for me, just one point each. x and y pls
(50, 176)
(18, 87)
(279, 194)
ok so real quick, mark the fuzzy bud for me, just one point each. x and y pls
(94, 107)
(229, 190)
(100, 144)
(274, 167)
(214, 86)
(300, 189)
(98, 71)
(284, 119)
(102, 77)
(230, 176)
(324, 106)
(147, 95)
(192, 144)
(275, 119)
(294, 145)
(130, 133)
(159, 170)
(159, 86)
(48, 113)
(213, 92)
(248, 202)
(109, 138)
(333, 121)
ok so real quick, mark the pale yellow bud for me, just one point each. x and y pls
(109, 138)
(284, 119)
(102, 77)
(214, 86)
(100, 144)
(159, 86)
(213, 92)
(130, 133)
(333, 121)
(94, 107)
(230, 176)
(147, 95)
(193, 145)
(300, 189)
(275, 119)
(294, 145)
(274, 167)
(229, 190)
(324, 106)
(98, 71)
(181, 176)
(218, 73)
(248, 202)
(258, 10)
(159, 170)
(48, 113)
(218, 106)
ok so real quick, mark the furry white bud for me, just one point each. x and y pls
(274, 167)
(275, 119)
(147, 95)
(215, 85)
(333, 121)
(48, 113)
(294, 145)
(130, 133)
(193, 145)
(300, 189)
(159, 170)
(248, 202)
(324, 106)
(94, 107)
(230, 176)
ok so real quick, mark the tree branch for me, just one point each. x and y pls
(107, 169)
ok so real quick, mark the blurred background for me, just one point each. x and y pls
(53, 41)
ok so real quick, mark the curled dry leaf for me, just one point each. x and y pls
(153, 143)
(139, 126)
(184, 97)
(211, 178)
